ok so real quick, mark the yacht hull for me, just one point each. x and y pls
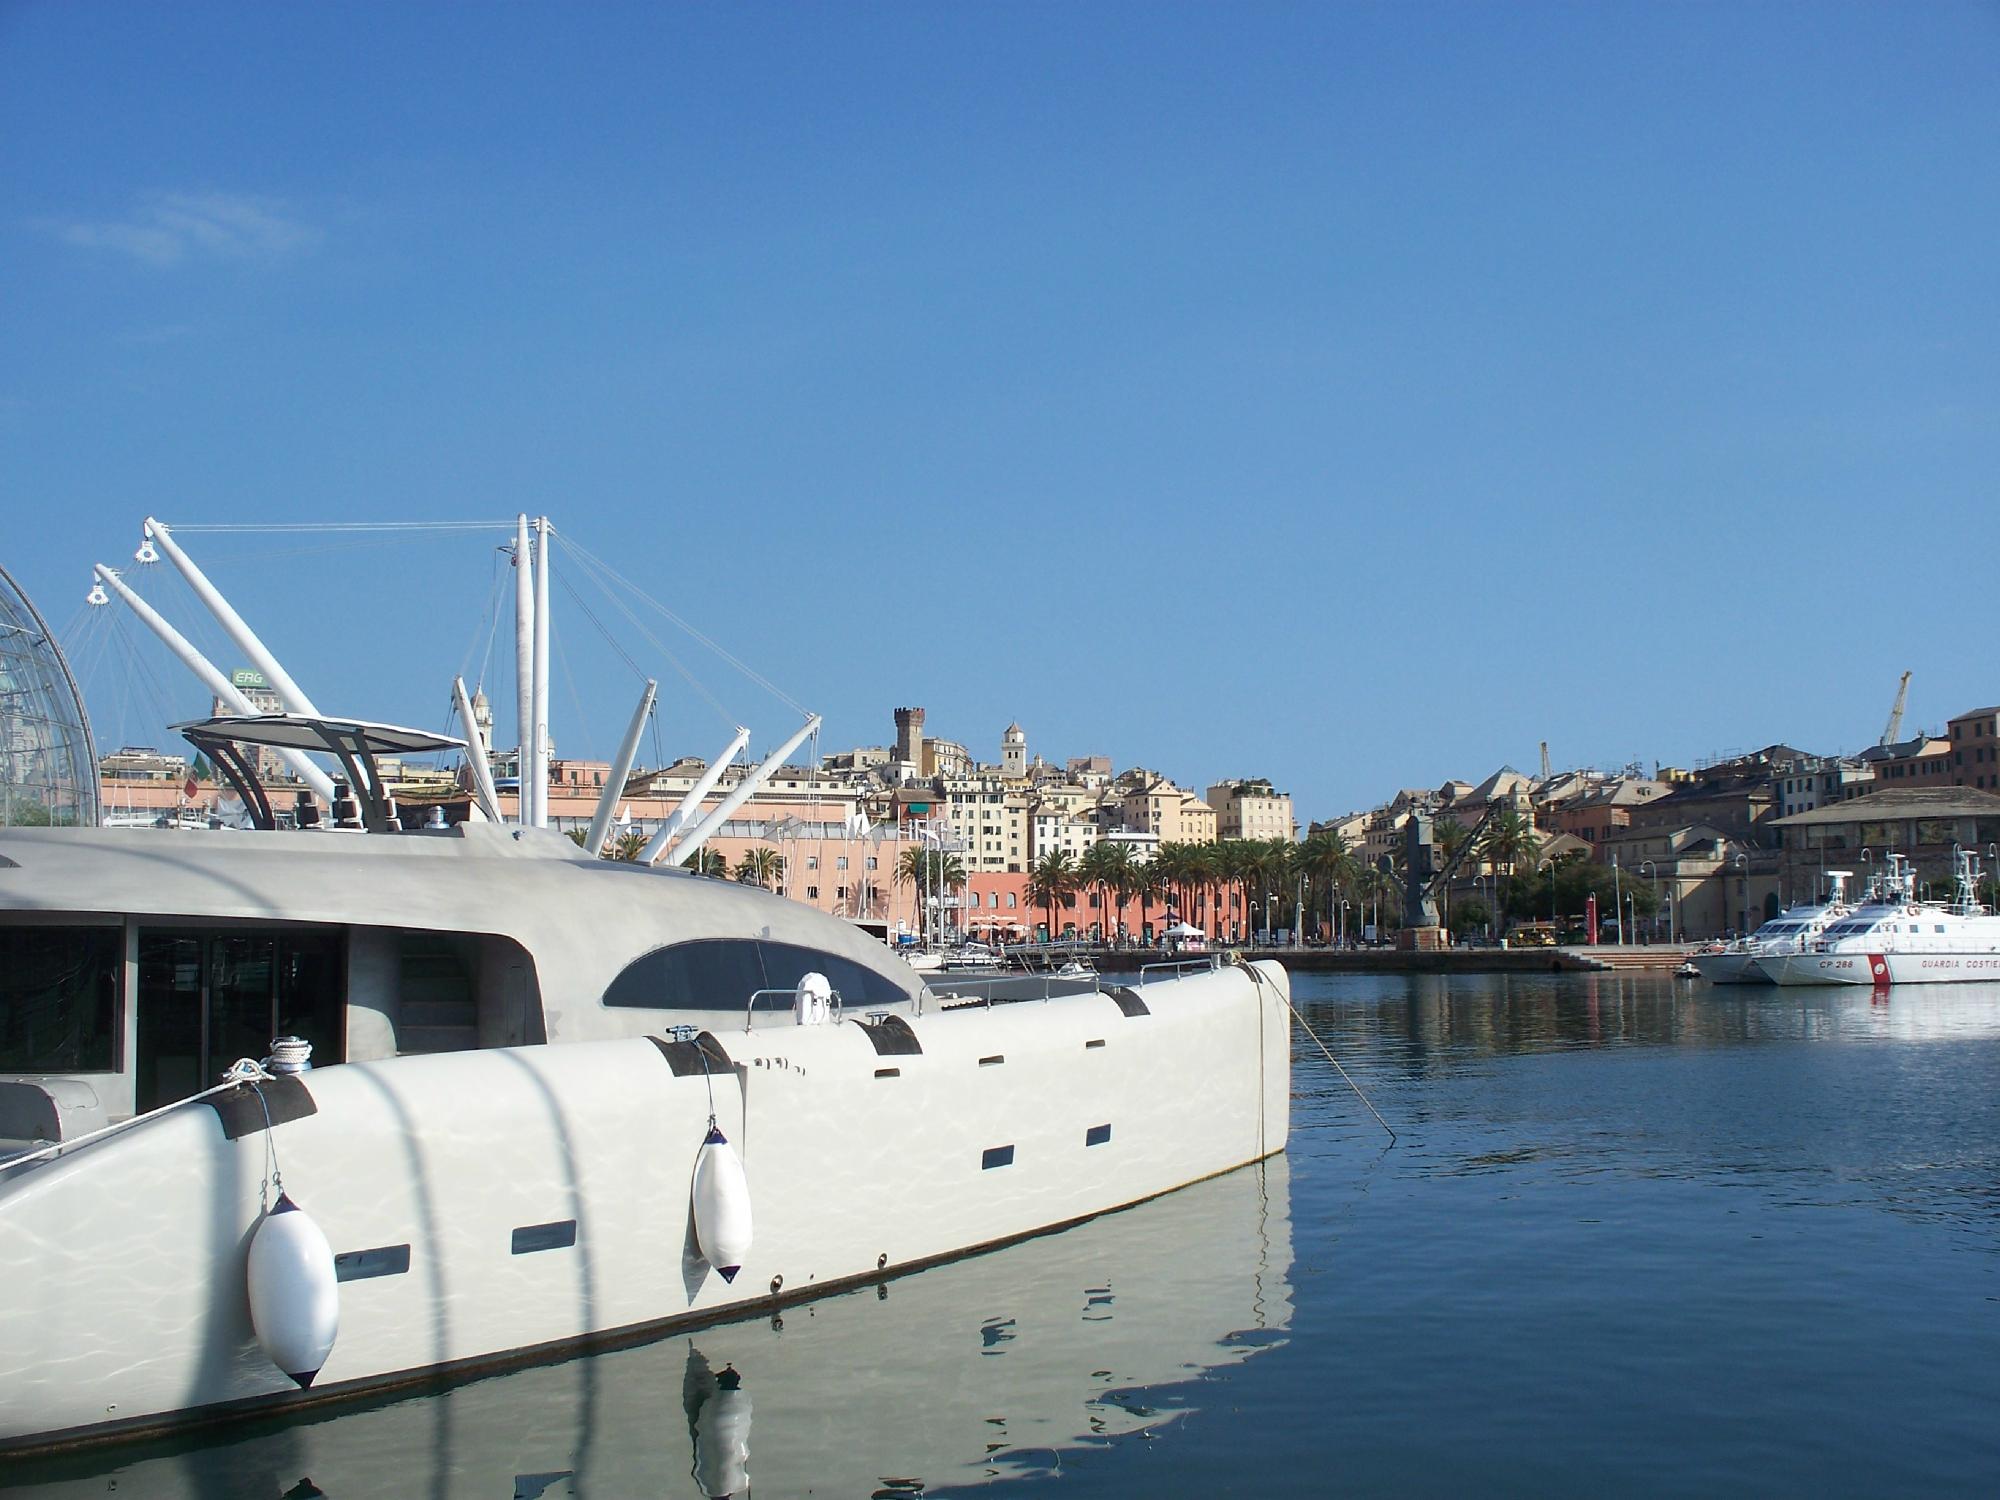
(499, 1206)
(1729, 968)
(1878, 969)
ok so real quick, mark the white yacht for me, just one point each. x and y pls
(312, 1111)
(1788, 932)
(572, 1101)
(999, 1367)
(1900, 940)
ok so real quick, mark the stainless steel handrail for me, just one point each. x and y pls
(961, 988)
(1179, 966)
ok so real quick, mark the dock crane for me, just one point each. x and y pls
(1895, 725)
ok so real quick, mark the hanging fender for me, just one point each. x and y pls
(722, 1440)
(294, 1292)
(721, 1205)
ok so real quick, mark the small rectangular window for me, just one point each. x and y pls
(364, 1265)
(1097, 1135)
(559, 1235)
(994, 1061)
(996, 1156)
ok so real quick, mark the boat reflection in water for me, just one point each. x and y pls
(980, 1369)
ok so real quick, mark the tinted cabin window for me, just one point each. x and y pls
(58, 998)
(723, 973)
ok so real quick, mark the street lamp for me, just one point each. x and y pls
(1344, 904)
(1653, 879)
(1742, 863)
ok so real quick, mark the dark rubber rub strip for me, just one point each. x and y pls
(893, 1038)
(286, 1097)
(1128, 1001)
(685, 1057)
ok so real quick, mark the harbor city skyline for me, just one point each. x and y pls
(1273, 384)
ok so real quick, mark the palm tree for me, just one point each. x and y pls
(762, 866)
(1236, 865)
(1106, 865)
(1148, 881)
(1329, 865)
(627, 845)
(710, 862)
(1051, 880)
(1510, 839)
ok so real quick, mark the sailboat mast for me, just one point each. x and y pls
(246, 639)
(739, 795)
(211, 677)
(691, 803)
(524, 669)
(475, 751)
(614, 783)
(541, 683)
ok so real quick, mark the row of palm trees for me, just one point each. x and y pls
(1217, 886)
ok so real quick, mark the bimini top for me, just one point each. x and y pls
(356, 743)
(298, 732)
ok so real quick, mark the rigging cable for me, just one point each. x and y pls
(764, 682)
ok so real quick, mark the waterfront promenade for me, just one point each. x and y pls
(1481, 960)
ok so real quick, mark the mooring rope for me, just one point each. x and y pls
(1306, 1026)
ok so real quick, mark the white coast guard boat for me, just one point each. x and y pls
(556, 1101)
(1900, 940)
(1788, 932)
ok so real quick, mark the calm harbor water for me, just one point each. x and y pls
(1637, 1237)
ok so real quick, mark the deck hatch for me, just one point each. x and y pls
(557, 1236)
(365, 1265)
(1097, 1135)
(996, 1156)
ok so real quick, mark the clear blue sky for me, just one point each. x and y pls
(1354, 395)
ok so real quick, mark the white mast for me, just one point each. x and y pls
(541, 672)
(614, 783)
(292, 695)
(211, 677)
(691, 803)
(524, 668)
(475, 752)
(684, 850)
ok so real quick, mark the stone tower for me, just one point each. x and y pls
(1014, 752)
(910, 739)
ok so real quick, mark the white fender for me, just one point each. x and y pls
(721, 1205)
(722, 1444)
(294, 1293)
